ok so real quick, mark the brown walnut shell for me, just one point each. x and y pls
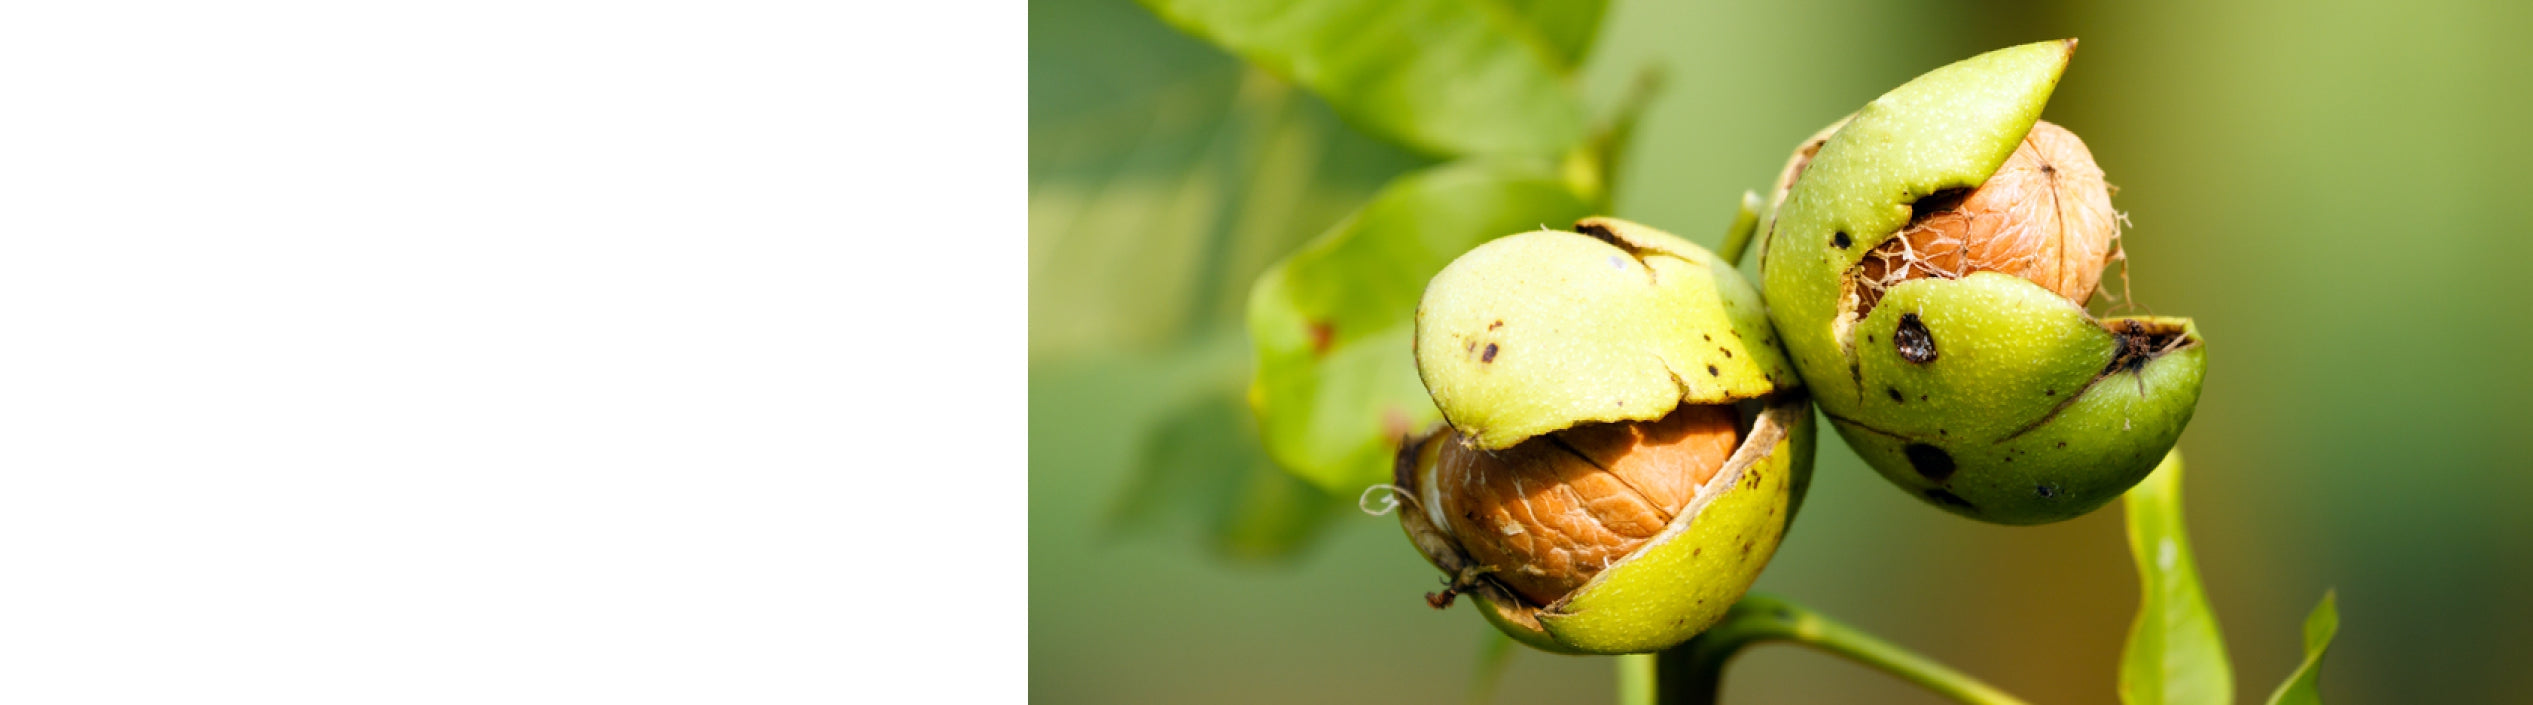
(1553, 511)
(2044, 216)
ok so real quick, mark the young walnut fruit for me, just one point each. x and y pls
(1554, 511)
(1928, 260)
(1624, 444)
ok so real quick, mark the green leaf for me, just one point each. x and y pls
(1203, 466)
(1444, 77)
(1148, 227)
(1165, 175)
(1567, 27)
(2175, 654)
(2304, 687)
(1336, 383)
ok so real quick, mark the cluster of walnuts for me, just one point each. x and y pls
(1616, 396)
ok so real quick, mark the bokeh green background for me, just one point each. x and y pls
(2340, 193)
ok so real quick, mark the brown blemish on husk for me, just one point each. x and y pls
(2140, 341)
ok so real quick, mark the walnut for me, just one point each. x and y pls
(1928, 269)
(1548, 514)
(2045, 216)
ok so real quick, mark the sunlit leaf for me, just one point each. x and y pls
(2304, 687)
(1567, 27)
(2175, 655)
(1202, 469)
(1336, 383)
(1444, 77)
(1164, 175)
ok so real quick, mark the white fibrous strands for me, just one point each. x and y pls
(2045, 216)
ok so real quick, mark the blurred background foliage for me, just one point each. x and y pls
(2336, 191)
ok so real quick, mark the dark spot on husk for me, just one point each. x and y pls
(1489, 355)
(2046, 491)
(1916, 344)
(2049, 392)
(1712, 372)
(1709, 338)
(1499, 323)
(1921, 397)
(1935, 203)
(1403, 464)
(1841, 240)
(1895, 395)
(1931, 462)
(1947, 498)
(1728, 354)
(2062, 444)
(2141, 343)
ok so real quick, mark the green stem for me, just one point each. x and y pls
(1745, 223)
(1636, 679)
(1694, 672)
(1608, 143)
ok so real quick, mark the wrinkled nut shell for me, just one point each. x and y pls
(1551, 512)
(2044, 216)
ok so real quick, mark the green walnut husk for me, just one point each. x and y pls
(1539, 331)
(1622, 324)
(1987, 395)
